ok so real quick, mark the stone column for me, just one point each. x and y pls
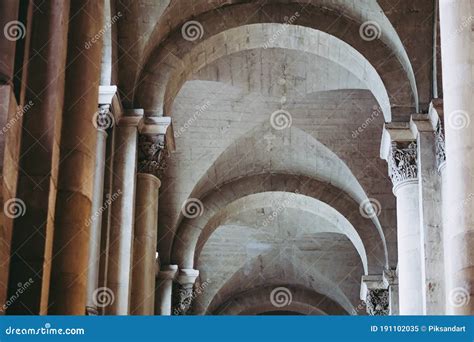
(400, 151)
(183, 290)
(375, 295)
(122, 214)
(151, 157)
(164, 289)
(430, 215)
(104, 121)
(390, 281)
(8, 14)
(458, 81)
(33, 224)
(13, 31)
(68, 289)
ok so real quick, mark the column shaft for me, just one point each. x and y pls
(458, 81)
(96, 223)
(77, 159)
(409, 249)
(144, 245)
(8, 14)
(33, 230)
(122, 220)
(430, 218)
(164, 290)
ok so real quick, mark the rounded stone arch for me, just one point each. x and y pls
(294, 274)
(257, 301)
(305, 166)
(174, 56)
(193, 233)
(169, 74)
(359, 12)
(329, 219)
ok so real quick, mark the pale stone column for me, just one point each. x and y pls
(183, 290)
(375, 295)
(77, 149)
(390, 281)
(458, 79)
(122, 215)
(151, 153)
(400, 151)
(164, 289)
(104, 121)
(430, 215)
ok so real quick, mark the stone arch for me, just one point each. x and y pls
(257, 301)
(314, 209)
(317, 172)
(294, 272)
(193, 233)
(173, 60)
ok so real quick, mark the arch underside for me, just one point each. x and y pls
(312, 177)
(322, 13)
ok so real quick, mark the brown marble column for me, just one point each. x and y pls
(31, 248)
(151, 155)
(119, 268)
(68, 288)
(14, 30)
(144, 245)
(8, 13)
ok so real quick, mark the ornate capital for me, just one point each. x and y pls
(182, 298)
(104, 117)
(151, 154)
(402, 162)
(377, 302)
(440, 146)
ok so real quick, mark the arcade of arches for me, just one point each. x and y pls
(224, 157)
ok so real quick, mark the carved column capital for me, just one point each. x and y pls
(402, 162)
(183, 291)
(152, 154)
(104, 119)
(375, 295)
(440, 146)
(377, 302)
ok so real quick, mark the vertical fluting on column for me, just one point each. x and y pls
(183, 291)
(104, 121)
(458, 80)
(77, 159)
(122, 215)
(31, 247)
(164, 290)
(430, 215)
(151, 159)
(400, 151)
